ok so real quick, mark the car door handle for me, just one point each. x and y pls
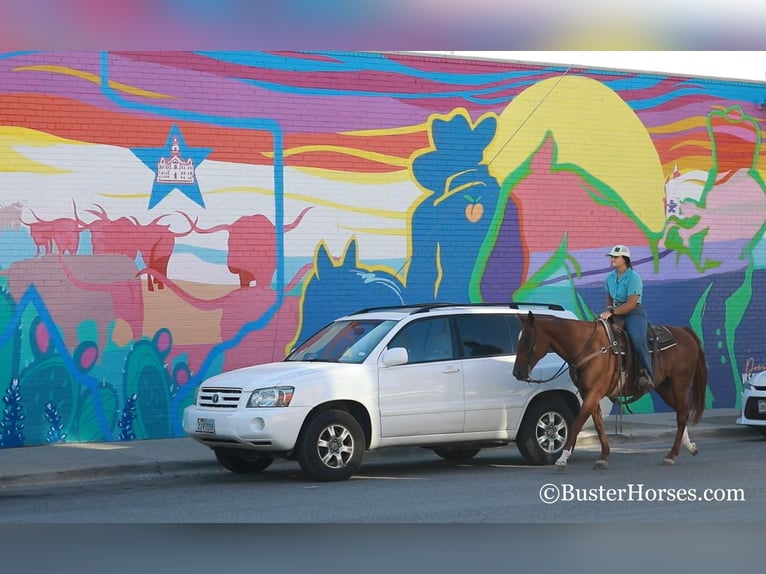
(451, 370)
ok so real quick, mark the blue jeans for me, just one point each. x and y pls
(636, 325)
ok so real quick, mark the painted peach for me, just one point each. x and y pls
(474, 212)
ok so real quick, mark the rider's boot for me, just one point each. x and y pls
(645, 383)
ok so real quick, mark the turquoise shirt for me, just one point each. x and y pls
(620, 289)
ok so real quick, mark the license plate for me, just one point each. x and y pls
(206, 426)
(761, 406)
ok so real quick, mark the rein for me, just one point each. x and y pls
(577, 361)
(562, 369)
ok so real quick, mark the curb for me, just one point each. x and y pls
(667, 434)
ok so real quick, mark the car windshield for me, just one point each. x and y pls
(343, 341)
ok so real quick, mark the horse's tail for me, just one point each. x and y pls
(699, 384)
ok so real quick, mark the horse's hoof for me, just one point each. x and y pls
(560, 466)
(601, 465)
(668, 462)
(694, 450)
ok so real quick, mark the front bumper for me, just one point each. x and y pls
(274, 429)
(753, 410)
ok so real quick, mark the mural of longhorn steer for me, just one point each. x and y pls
(243, 311)
(252, 247)
(126, 236)
(10, 215)
(63, 233)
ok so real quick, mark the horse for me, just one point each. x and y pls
(595, 365)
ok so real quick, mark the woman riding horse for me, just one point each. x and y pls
(624, 291)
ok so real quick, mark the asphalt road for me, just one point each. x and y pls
(496, 487)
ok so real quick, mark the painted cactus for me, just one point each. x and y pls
(10, 339)
(56, 403)
(149, 384)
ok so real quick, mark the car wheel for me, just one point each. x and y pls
(456, 454)
(332, 446)
(242, 463)
(544, 431)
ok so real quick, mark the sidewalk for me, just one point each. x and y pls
(72, 463)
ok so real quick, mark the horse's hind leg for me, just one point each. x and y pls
(598, 422)
(682, 417)
(670, 458)
(688, 444)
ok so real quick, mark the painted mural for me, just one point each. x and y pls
(165, 216)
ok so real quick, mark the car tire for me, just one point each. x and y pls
(242, 463)
(456, 454)
(544, 431)
(332, 447)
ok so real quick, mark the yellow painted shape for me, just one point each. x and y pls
(371, 178)
(94, 79)
(683, 125)
(375, 231)
(122, 334)
(388, 131)
(344, 150)
(12, 137)
(594, 129)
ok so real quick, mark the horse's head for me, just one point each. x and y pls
(532, 346)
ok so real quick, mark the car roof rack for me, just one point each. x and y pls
(525, 304)
(415, 308)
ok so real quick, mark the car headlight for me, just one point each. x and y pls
(271, 397)
(747, 386)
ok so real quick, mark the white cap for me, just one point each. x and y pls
(619, 250)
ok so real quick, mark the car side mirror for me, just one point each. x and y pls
(394, 357)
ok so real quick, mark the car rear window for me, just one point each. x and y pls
(487, 335)
(426, 340)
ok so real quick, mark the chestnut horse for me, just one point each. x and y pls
(680, 374)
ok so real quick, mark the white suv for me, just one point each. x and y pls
(438, 376)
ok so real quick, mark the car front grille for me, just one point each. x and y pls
(219, 397)
(751, 409)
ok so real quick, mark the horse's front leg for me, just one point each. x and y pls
(585, 411)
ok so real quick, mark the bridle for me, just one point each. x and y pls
(576, 363)
(532, 347)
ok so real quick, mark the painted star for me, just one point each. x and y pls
(174, 167)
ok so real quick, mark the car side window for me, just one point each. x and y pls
(487, 335)
(426, 340)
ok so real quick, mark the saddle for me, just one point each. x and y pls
(658, 338)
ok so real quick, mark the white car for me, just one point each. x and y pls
(437, 376)
(753, 409)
